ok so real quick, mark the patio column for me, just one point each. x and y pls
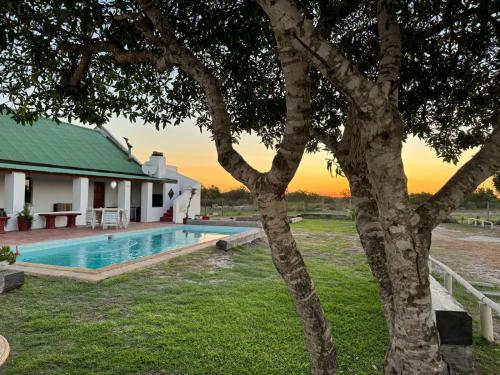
(124, 196)
(14, 196)
(81, 198)
(146, 201)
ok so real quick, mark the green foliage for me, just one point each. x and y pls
(447, 83)
(482, 195)
(234, 197)
(26, 214)
(210, 193)
(416, 199)
(7, 255)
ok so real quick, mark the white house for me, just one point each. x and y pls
(61, 167)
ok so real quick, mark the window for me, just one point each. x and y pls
(157, 200)
(28, 190)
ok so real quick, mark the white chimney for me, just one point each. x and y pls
(156, 166)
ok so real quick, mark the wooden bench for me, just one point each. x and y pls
(454, 326)
(50, 218)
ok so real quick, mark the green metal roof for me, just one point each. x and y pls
(63, 148)
(52, 170)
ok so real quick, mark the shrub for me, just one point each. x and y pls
(7, 255)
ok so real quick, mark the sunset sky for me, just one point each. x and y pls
(194, 153)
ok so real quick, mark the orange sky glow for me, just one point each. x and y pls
(195, 155)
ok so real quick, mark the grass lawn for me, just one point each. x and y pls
(204, 313)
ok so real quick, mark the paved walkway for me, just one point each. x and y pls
(40, 235)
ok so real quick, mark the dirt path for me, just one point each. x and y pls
(472, 252)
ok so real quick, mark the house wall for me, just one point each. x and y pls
(135, 194)
(110, 195)
(48, 190)
(2, 189)
(184, 185)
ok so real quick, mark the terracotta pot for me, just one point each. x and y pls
(3, 223)
(205, 217)
(23, 224)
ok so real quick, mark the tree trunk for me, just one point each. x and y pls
(414, 344)
(372, 239)
(351, 155)
(290, 265)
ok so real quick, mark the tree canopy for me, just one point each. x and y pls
(46, 46)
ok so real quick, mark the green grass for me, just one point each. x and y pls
(208, 312)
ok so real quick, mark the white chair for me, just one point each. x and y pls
(124, 219)
(110, 219)
(90, 219)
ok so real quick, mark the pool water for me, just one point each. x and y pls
(105, 250)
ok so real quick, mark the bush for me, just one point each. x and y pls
(7, 255)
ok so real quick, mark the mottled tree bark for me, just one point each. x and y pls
(414, 344)
(351, 155)
(269, 188)
(290, 265)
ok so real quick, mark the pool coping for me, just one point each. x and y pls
(98, 275)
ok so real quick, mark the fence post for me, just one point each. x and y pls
(486, 320)
(448, 283)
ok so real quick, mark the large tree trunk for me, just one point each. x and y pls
(351, 155)
(290, 265)
(414, 344)
(372, 239)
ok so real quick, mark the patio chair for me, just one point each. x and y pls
(110, 219)
(90, 219)
(124, 219)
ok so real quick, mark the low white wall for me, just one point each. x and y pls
(185, 184)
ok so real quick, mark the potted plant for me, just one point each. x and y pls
(25, 219)
(193, 192)
(6, 257)
(3, 220)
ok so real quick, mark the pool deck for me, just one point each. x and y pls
(43, 235)
(96, 276)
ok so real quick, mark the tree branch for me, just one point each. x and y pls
(228, 157)
(298, 118)
(390, 49)
(482, 165)
(80, 70)
(365, 94)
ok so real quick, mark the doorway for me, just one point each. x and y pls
(98, 194)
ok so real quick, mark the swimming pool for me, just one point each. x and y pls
(109, 249)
